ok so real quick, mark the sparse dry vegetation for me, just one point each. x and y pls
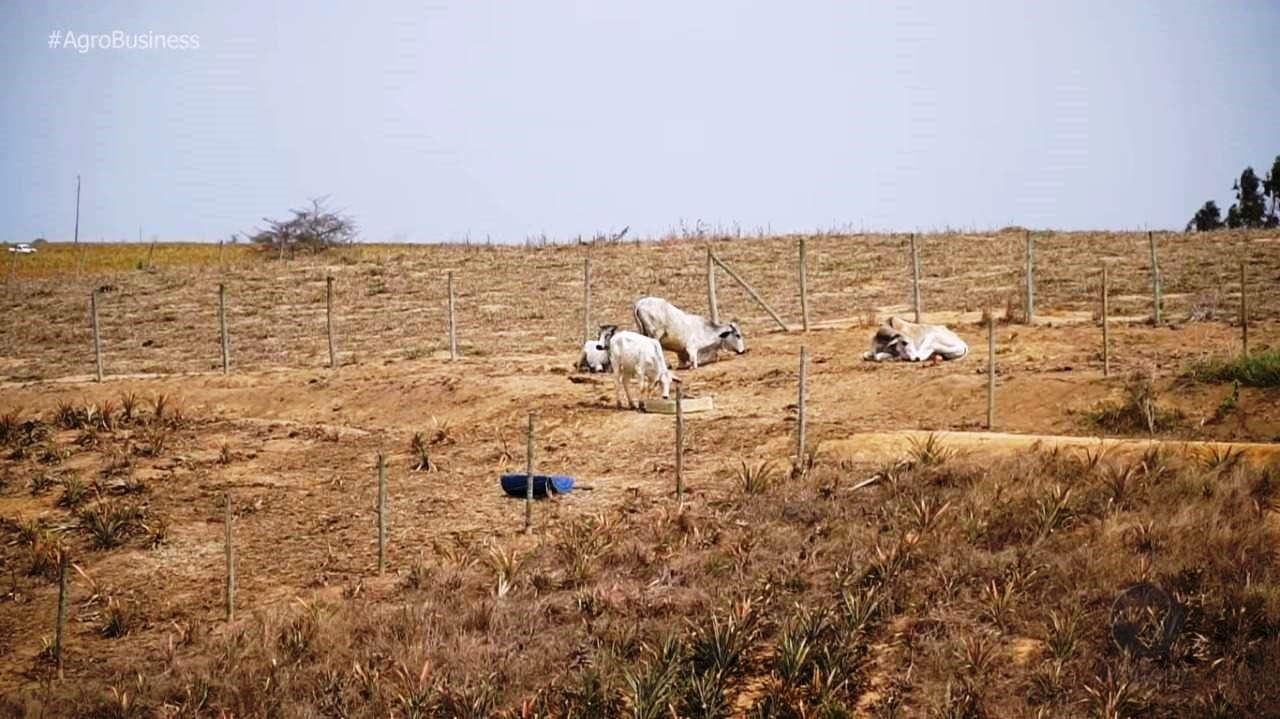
(822, 609)
(1260, 369)
(1139, 411)
(951, 585)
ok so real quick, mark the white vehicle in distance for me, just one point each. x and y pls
(23, 248)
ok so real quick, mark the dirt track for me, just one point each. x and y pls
(888, 446)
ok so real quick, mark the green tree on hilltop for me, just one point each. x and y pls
(1233, 218)
(1249, 199)
(1271, 188)
(1207, 218)
(1257, 204)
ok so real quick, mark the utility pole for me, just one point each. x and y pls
(77, 235)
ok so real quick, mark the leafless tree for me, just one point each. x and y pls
(311, 229)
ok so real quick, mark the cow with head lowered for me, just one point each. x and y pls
(640, 358)
(693, 338)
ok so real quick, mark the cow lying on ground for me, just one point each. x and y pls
(899, 339)
(694, 339)
(595, 353)
(635, 356)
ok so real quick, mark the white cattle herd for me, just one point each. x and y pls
(697, 341)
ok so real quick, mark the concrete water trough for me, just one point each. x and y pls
(687, 404)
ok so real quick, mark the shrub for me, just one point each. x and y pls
(74, 492)
(311, 229)
(757, 479)
(39, 482)
(1139, 411)
(9, 427)
(109, 523)
(1261, 369)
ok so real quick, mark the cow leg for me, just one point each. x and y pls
(627, 389)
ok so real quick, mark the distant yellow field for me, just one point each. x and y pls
(64, 258)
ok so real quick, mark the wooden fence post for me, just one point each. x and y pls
(800, 415)
(915, 276)
(62, 610)
(586, 299)
(804, 289)
(712, 305)
(222, 329)
(328, 320)
(453, 331)
(1030, 310)
(1106, 321)
(1155, 280)
(1244, 311)
(679, 444)
(13, 270)
(382, 514)
(229, 553)
(991, 372)
(750, 291)
(528, 481)
(97, 335)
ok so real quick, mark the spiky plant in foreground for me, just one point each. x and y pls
(128, 407)
(721, 643)
(109, 522)
(757, 479)
(74, 492)
(419, 448)
(506, 565)
(930, 451)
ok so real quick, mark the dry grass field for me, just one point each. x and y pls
(974, 577)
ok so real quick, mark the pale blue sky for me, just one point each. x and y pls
(431, 120)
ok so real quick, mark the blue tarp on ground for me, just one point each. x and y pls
(514, 484)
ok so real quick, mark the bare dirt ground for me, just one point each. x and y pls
(295, 444)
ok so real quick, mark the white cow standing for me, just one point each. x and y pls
(693, 338)
(635, 356)
(900, 339)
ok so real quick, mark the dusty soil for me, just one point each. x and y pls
(295, 444)
(982, 446)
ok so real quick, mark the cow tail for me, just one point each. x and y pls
(640, 325)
